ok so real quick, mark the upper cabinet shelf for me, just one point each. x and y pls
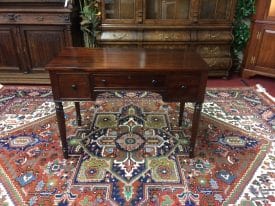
(181, 12)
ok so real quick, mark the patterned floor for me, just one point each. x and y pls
(130, 151)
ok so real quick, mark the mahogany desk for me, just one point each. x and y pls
(80, 74)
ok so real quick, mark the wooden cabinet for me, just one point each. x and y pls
(260, 52)
(204, 26)
(31, 34)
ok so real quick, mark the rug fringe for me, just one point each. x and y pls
(261, 89)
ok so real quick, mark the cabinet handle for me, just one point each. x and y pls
(74, 87)
(154, 82)
(183, 86)
(139, 16)
(13, 17)
(40, 18)
(213, 36)
(103, 81)
(66, 18)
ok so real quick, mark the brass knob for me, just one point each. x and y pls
(74, 87)
(154, 82)
(13, 17)
(183, 86)
(40, 18)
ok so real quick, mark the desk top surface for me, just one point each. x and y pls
(121, 59)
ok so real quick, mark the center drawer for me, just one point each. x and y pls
(128, 81)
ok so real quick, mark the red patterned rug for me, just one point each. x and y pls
(130, 151)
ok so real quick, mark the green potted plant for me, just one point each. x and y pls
(90, 19)
(241, 29)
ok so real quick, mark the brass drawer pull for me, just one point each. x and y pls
(183, 86)
(40, 18)
(154, 82)
(13, 17)
(74, 87)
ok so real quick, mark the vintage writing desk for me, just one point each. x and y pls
(79, 74)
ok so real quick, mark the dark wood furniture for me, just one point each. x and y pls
(31, 33)
(79, 74)
(260, 52)
(204, 26)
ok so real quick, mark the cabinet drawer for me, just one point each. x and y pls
(34, 18)
(128, 81)
(166, 36)
(73, 86)
(213, 50)
(215, 36)
(118, 36)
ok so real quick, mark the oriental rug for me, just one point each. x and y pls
(130, 151)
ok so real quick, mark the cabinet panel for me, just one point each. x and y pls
(266, 51)
(42, 43)
(271, 11)
(119, 11)
(216, 9)
(259, 56)
(167, 9)
(31, 33)
(9, 59)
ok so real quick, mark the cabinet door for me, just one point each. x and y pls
(265, 10)
(10, 49)
(42, 44)
(216, 10)
(167, 11)
(263, 58)
(121, 11)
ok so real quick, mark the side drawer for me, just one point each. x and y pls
(128, 81)
(186, 87)
(73, 86)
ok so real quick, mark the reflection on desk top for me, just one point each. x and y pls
(124, 59)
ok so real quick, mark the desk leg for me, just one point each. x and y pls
(62, 127)
(182, 105)
(195, 127)
(78, 114)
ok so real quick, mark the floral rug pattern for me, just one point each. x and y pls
(130, 151)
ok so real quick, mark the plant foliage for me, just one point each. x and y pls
(90, 21)
(241, 27)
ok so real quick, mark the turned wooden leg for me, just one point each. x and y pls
(62, 127)
(182, 105)
(78, 114)
(195, 127)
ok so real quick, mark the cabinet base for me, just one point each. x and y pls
(247, 73)
(20, 78)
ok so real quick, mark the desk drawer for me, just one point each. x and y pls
(178, 81)
(184, 86)
(73, 86)
(128, 81)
